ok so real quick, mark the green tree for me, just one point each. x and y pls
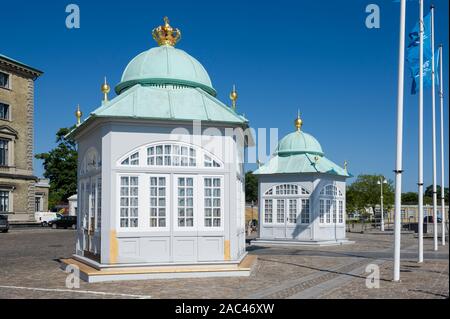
(365, 192)
(429, 193)
(409, 198)
(251, 187)
(60, 165)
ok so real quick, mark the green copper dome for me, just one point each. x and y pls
(165, 65)
(299, 142)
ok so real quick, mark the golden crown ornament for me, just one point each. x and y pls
(166, 35)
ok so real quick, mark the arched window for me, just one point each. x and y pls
(331, 205)
(170, 154)
(289, 202)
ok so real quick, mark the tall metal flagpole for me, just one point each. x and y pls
(441, 96)
(433, 105)
(398, 164)
(420, 181)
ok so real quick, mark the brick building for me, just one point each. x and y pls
(21, 193)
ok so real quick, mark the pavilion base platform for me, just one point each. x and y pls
(290, 242)
(91, 271)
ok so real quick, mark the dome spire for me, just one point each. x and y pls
(78, 114)
(298, 122)
(105, 91)
(166, 35)
(233, 97)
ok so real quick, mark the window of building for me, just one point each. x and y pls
(286, 189)
(292, 216)
(129, 203)
(4, 201)
(304, 213)
(4, 111)
(4, 143)
(4, 80)
(268, 211)
(280, 211)
(322, 211)
(290, 202)
(331, 205)
(171, 155)
(99, 202)
(158, 201)
(185, 202)
(213, 198)
(132, 160)
(38, 203)
(341, 211)
(209, 162)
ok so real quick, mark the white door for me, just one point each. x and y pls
(286, 216)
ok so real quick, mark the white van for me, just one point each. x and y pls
(44, 217)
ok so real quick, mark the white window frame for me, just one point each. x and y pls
(201, 201)
(299, 194)
(8, 105)
(9, 86)
(200, 155)
(168, 201)
(196, 205)
(139, 206)
(98, 208)
(10, 200)
(332, 212)
(265, 214)
(308, 212)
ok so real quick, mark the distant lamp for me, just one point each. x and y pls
(380, 182)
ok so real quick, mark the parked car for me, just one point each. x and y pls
(4, 224)
(430, 220)
(64, 222)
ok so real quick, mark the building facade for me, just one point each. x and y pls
(301, 194)
(160, 181)
(20, 191)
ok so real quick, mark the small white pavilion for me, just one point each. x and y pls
(301, 194)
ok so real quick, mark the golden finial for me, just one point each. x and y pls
(233, 97)
(105, 90)
(166, 35)
(298, 122)
(78, 114)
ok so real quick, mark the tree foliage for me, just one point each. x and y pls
(251, 187)
(60, 165)
(365, 192)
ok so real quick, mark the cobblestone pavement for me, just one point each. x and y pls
(29, 268)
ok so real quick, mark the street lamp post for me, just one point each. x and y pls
(381, 182)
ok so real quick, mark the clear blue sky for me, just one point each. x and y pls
(314, 55)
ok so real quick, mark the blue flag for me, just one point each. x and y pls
(412, 54)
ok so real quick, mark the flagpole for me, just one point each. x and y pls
(398, 164)
(420, 179)
(433, 105)
(441, 96)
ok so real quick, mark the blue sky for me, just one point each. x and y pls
(283, 55)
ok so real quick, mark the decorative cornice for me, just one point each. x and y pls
(20, 67)
(160, 81)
